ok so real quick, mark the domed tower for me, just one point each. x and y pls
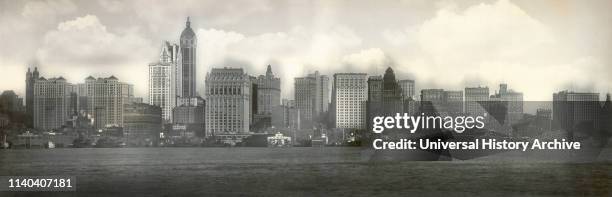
(391, 88)
(269, 72)
(391, 93)
(389, 80)
(186, 86)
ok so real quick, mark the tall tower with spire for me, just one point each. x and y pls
(268, 92)
(186, 80)
(162, 80)
(267, 97)
(31, 77)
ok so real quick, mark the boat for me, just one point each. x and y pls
(279, 140)
(4, 144)
(50, 144)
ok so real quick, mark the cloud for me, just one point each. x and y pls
(84, 46)
(48, 8)
(500, 30)
(293, 53)
(112, 6)
(534, 46)
(158, 15)
(488, 44)
(396, 37)
(373, 60)
(85, 41)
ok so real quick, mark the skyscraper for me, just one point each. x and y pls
(311, 97)
(606, 116)
(349, 94)
(187, 69)
(268, 97)
(286, 116)
(375, 101)
(454, 102)
(170, 53)
(391, 93)
(445, 103)
(384, 96)
(103, 99)
(228, 103)
(513, 101)
(544, 119)
(574, 110)
(161, 88)
(162, 80)
(474, 97)
(52, 99)
(31, 78)
(268, 92)
(407, 86)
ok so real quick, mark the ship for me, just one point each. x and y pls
(279, 140)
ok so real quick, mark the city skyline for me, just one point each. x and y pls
(537, 51)
(306, 97)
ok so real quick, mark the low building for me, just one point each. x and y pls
(191, 118)
(142, 124)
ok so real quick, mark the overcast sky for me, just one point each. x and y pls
(537, 47)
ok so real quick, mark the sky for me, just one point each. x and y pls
(536, 47)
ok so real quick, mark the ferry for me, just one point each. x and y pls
(279, 140)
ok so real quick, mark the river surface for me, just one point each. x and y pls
(298, 172)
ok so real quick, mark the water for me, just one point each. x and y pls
(297, 172)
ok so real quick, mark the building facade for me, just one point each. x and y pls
(445, 103)
(52, 103)
(513, 101)
(266, 95)
(408, 88)
(311, 97)
(349, 94)
(375, 100)
(31, 78)
(189, 117)
(268, 92)
(286, 116)
(228, 104)
(454, 102)
(474, 98)
(187, 69)
(142, 124)
(170, 53)
(384, 96)
(162, 88)
(543, 119)
(103, 99)
(575, 110)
